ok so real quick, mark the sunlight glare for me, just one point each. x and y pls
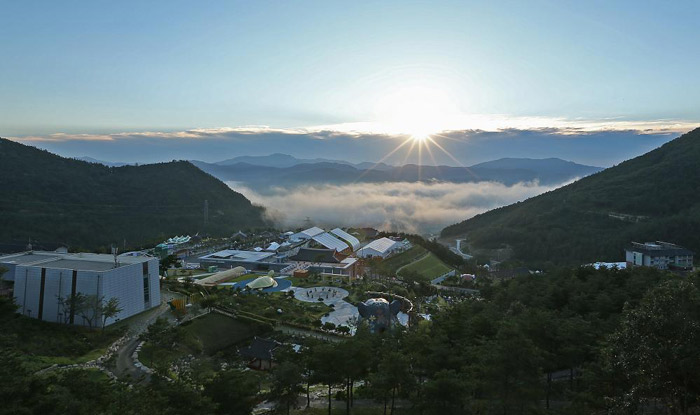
(417, 111)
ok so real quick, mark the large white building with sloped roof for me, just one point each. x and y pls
(45, 281)
(306, 234)
(331, 242)
(382, 247)
(351, 240)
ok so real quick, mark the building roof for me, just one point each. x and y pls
(381, 245)
(331, 242)
(262, 282)
(236, 255)
(308, 233)
(28, 258)
(349, 239)
(74, 261)
(222, 276)
(659, 248)
(260, 349)
(315, 255)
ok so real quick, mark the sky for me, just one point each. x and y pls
(130, 81)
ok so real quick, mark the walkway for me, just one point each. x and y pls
(343, 313)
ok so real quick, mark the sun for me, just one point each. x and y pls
(417, 111)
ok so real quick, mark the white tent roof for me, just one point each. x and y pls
(307, 233)
(331, 242)
(354, 242)
(273, 247)
(381, 245)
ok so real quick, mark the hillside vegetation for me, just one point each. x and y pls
(652, 197)
(56, 200)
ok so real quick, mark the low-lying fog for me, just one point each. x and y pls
(411, 207)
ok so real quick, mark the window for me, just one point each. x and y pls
(146, 290)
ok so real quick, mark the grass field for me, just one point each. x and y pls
(427, 268)
(45, 344)
(208, 334)
(293, 311)
(391, 265)
(216, 332)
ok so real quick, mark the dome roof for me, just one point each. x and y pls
(377, 301)
(262, 282)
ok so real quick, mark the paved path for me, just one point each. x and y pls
(125, 367)
(343, 312)
(458, 250)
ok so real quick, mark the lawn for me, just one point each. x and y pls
(267, 305)
(208, 335)
(45, 343)
(216, 331)
(392, 264)
(317, 281)
(427, 268)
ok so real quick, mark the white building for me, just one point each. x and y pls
(331, 242)
(349, 239)
(661, 255)
(382, 247)
(44, 281)
(306, 234)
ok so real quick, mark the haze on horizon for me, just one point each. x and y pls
(144, 82)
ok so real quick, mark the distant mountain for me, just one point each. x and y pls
(652, 197)
(553, 165)
(507, 171)
(285, 160)
(52, 199)
(106, 163)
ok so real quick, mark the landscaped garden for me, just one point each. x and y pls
(51, 343)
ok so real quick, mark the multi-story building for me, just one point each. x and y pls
(45, 284)
(661, 255)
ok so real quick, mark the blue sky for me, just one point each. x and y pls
(98, 67)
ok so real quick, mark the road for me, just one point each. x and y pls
(125, 367)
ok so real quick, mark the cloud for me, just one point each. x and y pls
(465, 126)
(410, 207)
(608, 143)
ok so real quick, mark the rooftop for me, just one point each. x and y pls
(381, 245)
(351, 240)
(236, 255)
(329, 241)
(315, 255)
(659, 248)
(308, 233)
(260, 349)
(74, 261)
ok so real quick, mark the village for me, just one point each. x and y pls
(191, 306)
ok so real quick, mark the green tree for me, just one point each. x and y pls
(445, 393)
(324, 361)
(109, 310)
(233, 391)
(656, 351)
(287, 379)
(209, 301)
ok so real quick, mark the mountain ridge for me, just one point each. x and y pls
(650, 197)
(545, 171)
(86, 205)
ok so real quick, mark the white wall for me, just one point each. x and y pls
(125, 283)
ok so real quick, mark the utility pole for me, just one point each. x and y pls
(206, 212)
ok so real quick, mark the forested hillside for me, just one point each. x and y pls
(52, 199)
(652, 197)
